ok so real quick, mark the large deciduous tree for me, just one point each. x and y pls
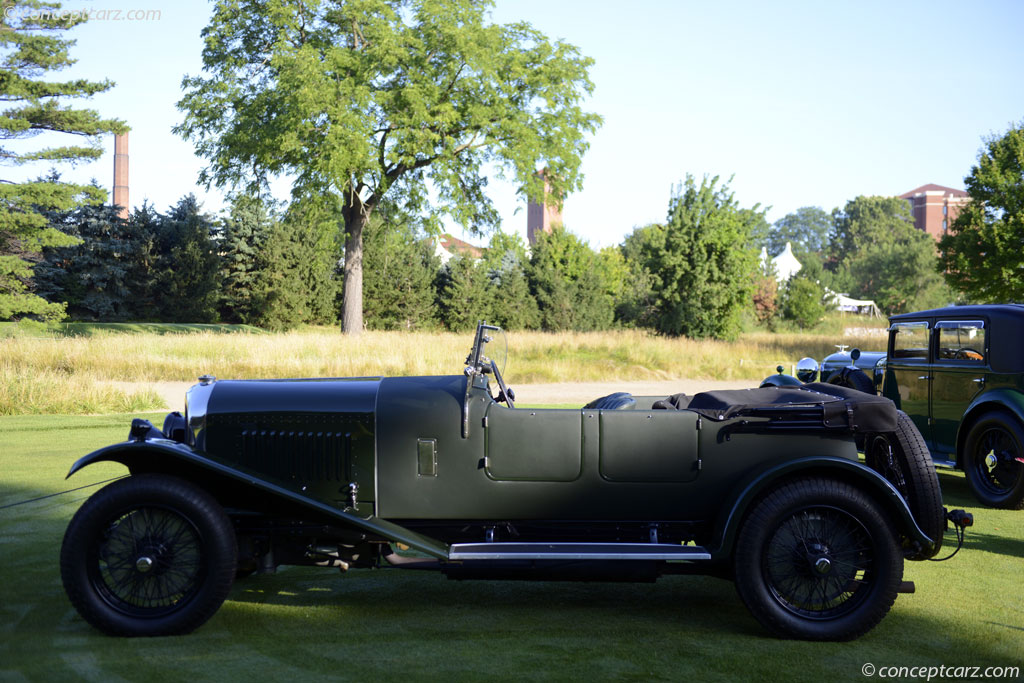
(414, 100)
(701, 262)
(30, 126)
(983, 253)
(807, 229)
(878, 254)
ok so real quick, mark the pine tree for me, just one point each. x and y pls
(245, 232)
(100, 277)
(512, 304)
(399, 269)
(187, 268)
(30, 33)
(463, 295)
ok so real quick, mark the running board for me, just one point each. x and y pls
(576, 551)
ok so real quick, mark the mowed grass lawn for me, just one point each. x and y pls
(312, 624)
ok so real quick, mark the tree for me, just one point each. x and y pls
(99, 278)
(803, 301)
(807, 229)
(569, 283)
(463, 293)
(245, 233)
(878, 254)
(766, 295)
(512, 304)
(700, 261)
(30, 33)
(386, 98)
(983, 253)
(186, 269)
(400, 268)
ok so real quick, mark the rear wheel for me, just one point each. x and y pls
(994, 460)
(150, 555)
(816, 560)
(902, 457)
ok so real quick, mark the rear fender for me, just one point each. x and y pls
(171, 457)
(842, 469)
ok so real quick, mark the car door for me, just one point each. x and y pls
(907, 378)
(958, 374)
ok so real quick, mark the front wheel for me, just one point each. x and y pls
(150, 555)
(994, 460)
(815, 559)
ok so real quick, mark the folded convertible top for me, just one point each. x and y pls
(835, 406)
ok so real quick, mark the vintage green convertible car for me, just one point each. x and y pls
(761, 486)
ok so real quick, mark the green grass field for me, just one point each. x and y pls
(314, 624)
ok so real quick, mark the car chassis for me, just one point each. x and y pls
(760, 486)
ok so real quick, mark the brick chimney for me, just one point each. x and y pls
(542, 217)
(121, 174)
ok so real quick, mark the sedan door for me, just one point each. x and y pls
(907, 373)
(958, 374)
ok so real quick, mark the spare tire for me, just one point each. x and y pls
(903, 459)
(854, 378)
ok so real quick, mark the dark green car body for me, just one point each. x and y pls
(437, 473)
(953, 369)
(958, 373)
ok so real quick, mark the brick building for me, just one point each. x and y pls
(934, 207)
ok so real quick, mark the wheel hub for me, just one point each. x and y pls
(143, 564)
(823, 565)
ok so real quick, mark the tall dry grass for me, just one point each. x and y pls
(72, 370)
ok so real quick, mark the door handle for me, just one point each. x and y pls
(924, 377)
(979, 380)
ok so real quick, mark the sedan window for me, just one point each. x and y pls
(961, 340)
(910, 340)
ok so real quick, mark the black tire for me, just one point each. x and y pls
(853, 378)
(150, 555)
(817, 560)
(902, 457)
(992, 460)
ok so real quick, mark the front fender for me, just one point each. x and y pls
(749, 490)
(171, 457)
(1008, 399)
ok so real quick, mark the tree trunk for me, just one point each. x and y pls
(352, 297)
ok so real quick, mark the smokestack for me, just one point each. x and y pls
(542, 217)
(121, 174)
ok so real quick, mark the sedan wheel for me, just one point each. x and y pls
(994, 461)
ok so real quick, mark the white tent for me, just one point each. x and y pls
(862, 306)
(786, 265)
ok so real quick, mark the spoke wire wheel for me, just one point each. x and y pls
(818, 563)
(148, 555)
(993, 466)
(817, 559)
(148, 562)
(903, 459)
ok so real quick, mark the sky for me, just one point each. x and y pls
(800, 103)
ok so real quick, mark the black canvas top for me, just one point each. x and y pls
(835, 406)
